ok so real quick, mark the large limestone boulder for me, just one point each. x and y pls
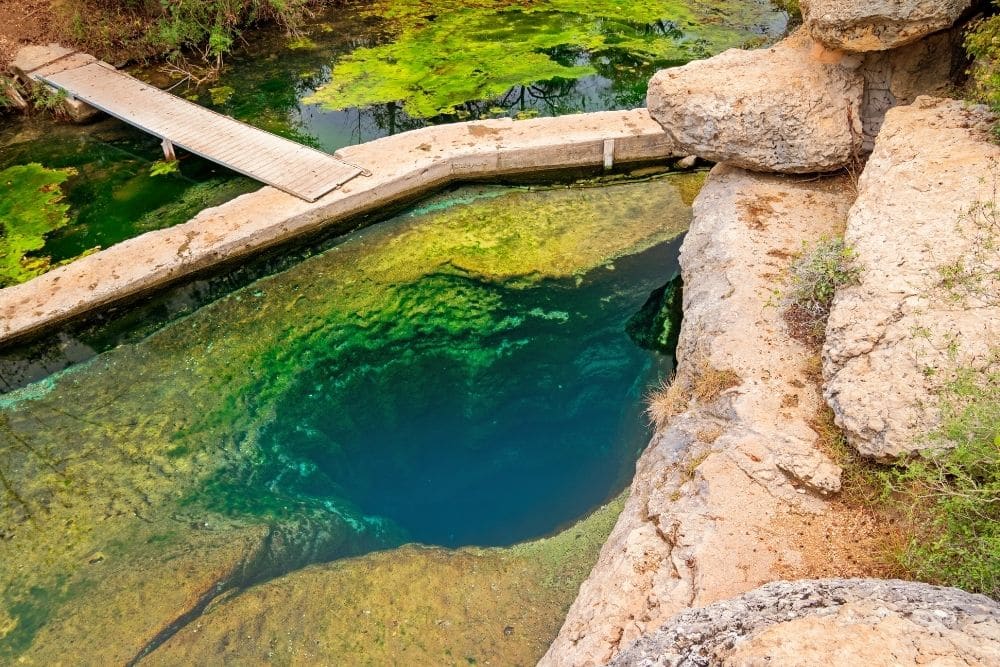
(834, 622)
(732, 493)
(878, 25)
(793, 108)
(897, 338)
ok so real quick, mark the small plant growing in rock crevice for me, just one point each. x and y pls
(816, 276)
(673, 396)
(976, 276)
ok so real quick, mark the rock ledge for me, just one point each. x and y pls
(830, 622)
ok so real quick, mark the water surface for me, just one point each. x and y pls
(459, 375)
(364, 70)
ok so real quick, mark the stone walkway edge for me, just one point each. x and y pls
(403, 166)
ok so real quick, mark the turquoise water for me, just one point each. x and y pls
(485, 436)
(458, 375)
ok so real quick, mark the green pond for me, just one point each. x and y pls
(457, 375)
(406, 444)
(363, 70)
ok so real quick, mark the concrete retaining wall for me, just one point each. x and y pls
(402, 166)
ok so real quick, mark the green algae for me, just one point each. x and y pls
(31, 207)
(164, 437)
(447, 55)
(413, 605)
(657, 325)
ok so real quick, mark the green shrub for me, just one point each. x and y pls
(137, 28)
(983, 44)
(952, 493)
(816, 276)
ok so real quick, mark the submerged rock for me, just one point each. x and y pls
(924, 231)
(878, 25)
(731, 491)
(141, 485)
(413, 605)
(792, 108)
(657, 325)
(837, 622)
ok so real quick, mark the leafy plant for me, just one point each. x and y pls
(952, 492)
(44, 98)
(983, 43)
(815, 278)
(31, 206)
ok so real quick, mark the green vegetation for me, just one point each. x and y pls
(164, 167)
(815, 278)
(133, 28)
(976, 277)
(446, 55)
(30, 207)
(951, 495)
(983, 44)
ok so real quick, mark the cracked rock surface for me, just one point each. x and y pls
(901, 334)
(704, 518)
(878, 25)
(793, 108)
(834, 622)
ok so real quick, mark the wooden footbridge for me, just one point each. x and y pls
(299, 170)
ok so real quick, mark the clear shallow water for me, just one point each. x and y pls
(457, 375)
(368, 69)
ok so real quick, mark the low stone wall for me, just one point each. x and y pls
(402, 166)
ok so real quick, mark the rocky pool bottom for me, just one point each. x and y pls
(458, 375)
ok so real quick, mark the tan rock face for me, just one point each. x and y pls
(901, 333)
(898, 77)
(705, 517)
(793, 108)
(837, 622)
(878, 25)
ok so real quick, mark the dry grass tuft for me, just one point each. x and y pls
(710, 434)
(673, 397)
(666, 402)
(711, 382)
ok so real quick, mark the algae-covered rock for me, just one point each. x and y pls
(447, 54)
(31, 207)
(416, 605)
(658, 324)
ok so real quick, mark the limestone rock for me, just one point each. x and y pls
(706, 516)
(898, 77)
(878, 25)
(894, 340)
(793, 108)
(836, 622)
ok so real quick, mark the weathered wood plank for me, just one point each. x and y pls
(296, 169)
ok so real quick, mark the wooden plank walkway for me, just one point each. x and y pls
(299, 170)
